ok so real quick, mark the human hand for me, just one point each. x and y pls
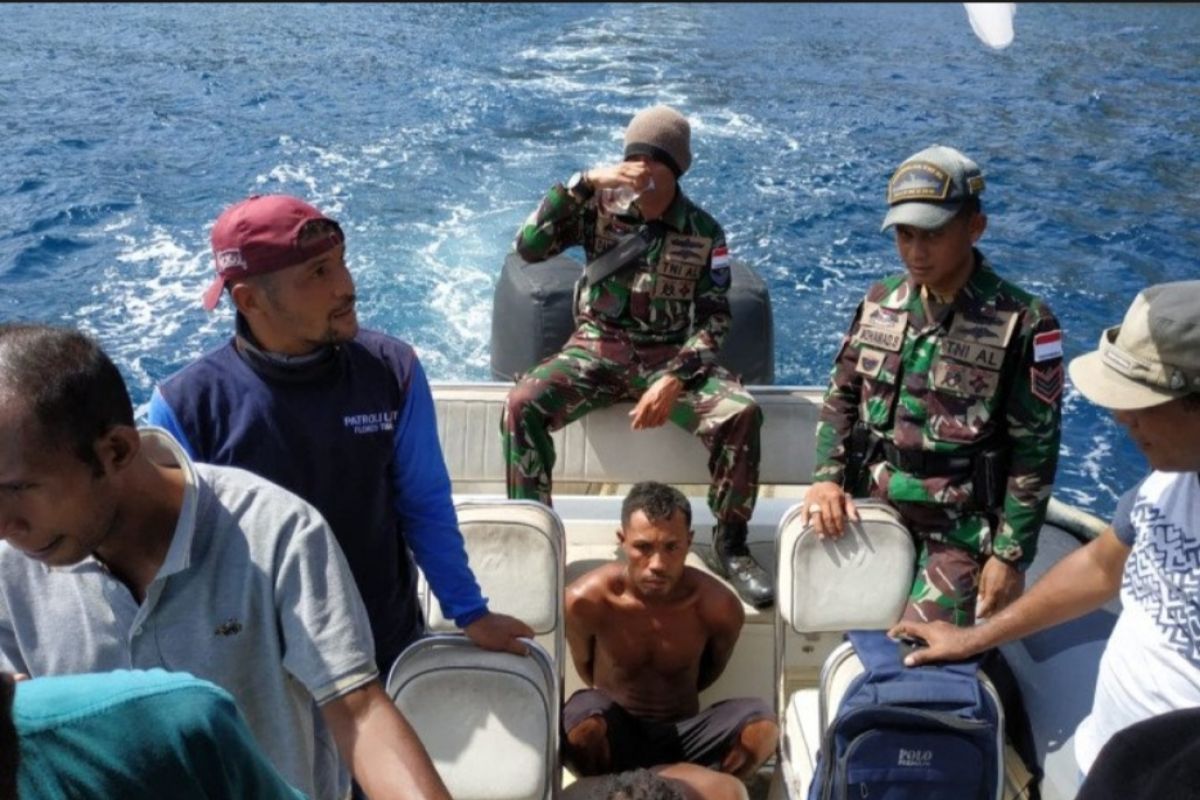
(634, 174)
(499, 632)
(655, 405)
(943, 641)
(1000, 583)
(828, 508)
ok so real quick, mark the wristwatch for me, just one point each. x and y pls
(579, 186)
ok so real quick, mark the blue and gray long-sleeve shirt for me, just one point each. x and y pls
(352, 431)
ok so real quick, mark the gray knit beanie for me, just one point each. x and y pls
(663, 134)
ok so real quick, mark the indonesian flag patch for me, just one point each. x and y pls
(1046, 346)
(720, 266)
(720, 258)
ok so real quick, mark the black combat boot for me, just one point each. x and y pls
(730, 558)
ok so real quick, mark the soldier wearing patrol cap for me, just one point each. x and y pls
(944, 401)
(652, 315)
(1146, 370)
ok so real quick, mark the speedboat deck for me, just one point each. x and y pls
(600, 458)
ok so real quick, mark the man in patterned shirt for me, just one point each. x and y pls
(945, 400)
(1147, 370)
(649, 327)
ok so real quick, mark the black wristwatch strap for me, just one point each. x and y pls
(579, 187)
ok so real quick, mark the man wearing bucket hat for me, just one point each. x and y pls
(652, 315)
(1147, 370)
(340, 415)
(944, 400)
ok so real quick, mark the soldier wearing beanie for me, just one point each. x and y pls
(651, 316)
(945, 400)
(663, 135)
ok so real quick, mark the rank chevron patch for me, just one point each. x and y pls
(1046, 383)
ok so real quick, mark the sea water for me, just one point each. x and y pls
(431, 132)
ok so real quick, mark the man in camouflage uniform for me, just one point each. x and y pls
(648, 332)
(953, 375)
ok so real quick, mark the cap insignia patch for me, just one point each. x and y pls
(918, 181)
(230, 259)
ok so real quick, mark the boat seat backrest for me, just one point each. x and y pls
(824, 588)
(600, 448)
(860, 580)
(489, 720)
(516, 549)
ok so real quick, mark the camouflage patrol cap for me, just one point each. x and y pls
(929, 188)
(1152, 357)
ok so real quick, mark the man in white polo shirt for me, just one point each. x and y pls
(1147, 370)
(119, 553)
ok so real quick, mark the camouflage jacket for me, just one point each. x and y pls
(675, 294)
(987, 368)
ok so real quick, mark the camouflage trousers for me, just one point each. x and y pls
(952, 548)
(590, 374)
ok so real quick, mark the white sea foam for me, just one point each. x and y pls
(454, 268)
(289, 174)
(119, 224)
(729, 125)
(151, 297)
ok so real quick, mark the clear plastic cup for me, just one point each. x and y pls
(620, 200)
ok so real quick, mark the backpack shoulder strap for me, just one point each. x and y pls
(878, 653)
(881, 655)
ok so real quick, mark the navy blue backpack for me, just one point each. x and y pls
(911, 733)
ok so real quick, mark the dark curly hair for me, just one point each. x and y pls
(638, 784)
(657, 501)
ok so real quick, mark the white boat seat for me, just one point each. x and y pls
(801, 739)
(489, 720)
(805, 720)
(516, 548)
(860, 581)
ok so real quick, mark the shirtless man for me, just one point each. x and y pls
(648, 635)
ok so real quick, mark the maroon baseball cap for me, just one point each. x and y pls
(262, 234)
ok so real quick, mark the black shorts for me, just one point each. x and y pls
(635, 742)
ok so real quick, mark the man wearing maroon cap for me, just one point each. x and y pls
(341, 416)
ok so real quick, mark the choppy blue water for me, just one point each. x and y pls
(430, 131)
